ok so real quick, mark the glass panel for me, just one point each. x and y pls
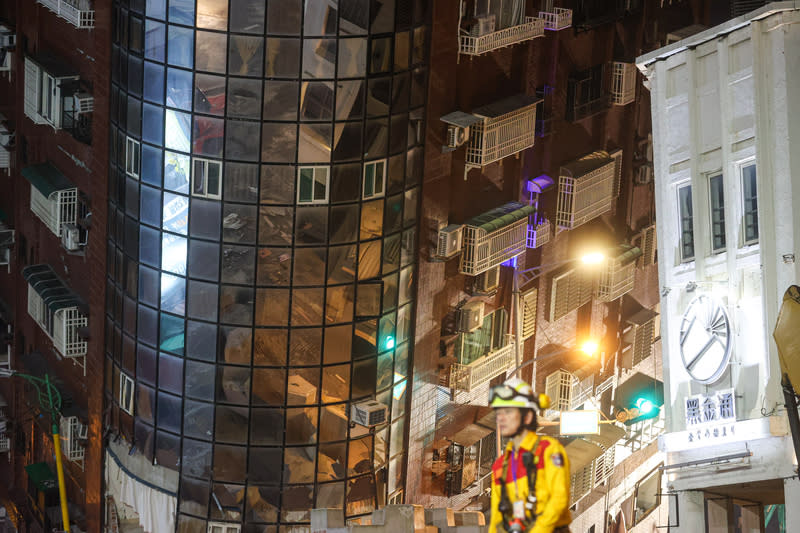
(372, 219)
(201, 342)
(687, 224)
(154, 40)
(277, 184)
(716, 195)
(194, 495)
(179, 88)
(307, 307)
(266, 466)
(212, 14)
(401, 50)
(314, 144)
(231, 424)
(181, 46)
(349, 99)
(338, 344)
(272, 307)
(268, 386)
(278, 142)
(381, 55)
(244, 97)
(239, 221)
(282, 57)
(228, 497)
(175, 213)
(177, 127)
(339, 304)
(236, 304)
(198, 417)
(233, 385)
(359, 457)
(153, 82)
(145, 366)
(274, 266)
(181, 12)
(354, 17)
(145, 403)
(311, 225)
(275, 225)
(238, 265)
(247, 16)
(266, 427)
(309, 266)
(301, 425)
(363, 380)
(152, 126)
(208, 135)
(335, 388)
(168, 450)
(296, 502)
(241, 184)
(391, 253)
(209, 94)
(235, 345)
(203, 300)
(319, 58)
(316, 100)
(245, 55)
(280, 100)
(300, 467)
(229, 463)
(283, 18)
(204, 260)
(270, 347)
(210, 51)
(242, 140)
(173, 294)
(352, 58)
(341, 264)
(169, 412)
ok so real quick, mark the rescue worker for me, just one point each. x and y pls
(530, 480)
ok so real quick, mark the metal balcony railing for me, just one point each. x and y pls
(76, 13)
(494, 237)
(477, 45)
(557, 19)
(566, 391)
(480, 371)
(539, 234)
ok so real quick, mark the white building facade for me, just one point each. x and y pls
(726, 139)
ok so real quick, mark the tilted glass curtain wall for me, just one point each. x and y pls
(261, 253)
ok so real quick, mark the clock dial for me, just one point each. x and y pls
(705, 339)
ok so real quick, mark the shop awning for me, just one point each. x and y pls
(47, 179)
(41, 476)
(55, 294)
(500, 217)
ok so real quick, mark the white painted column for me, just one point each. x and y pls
(791, 495)
(691, 512)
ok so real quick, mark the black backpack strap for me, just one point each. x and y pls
(529, 460)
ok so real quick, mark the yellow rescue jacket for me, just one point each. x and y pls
(552, 483)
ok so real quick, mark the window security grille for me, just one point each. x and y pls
(623, 83)
(645, 240)
(76, 12)
(569, 291)
(529, 303)
(504, 128)
(586, 188)
(73, 435)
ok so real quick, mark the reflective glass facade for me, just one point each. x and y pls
(266, 161)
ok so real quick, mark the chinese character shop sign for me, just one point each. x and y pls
(711, 416)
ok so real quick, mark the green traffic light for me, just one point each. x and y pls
(644, 405)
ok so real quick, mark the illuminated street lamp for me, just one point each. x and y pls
(588, 348)
(523, 277)
(50, 401)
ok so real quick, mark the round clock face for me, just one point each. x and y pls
(705, 339)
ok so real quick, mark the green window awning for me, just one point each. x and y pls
(55, 294)
(47, 178)
(41, 476)
(500, 217)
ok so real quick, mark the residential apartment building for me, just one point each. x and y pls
(724, 106)
(506, 213)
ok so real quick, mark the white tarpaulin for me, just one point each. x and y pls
(156, 507)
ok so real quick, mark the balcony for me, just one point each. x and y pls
(55, 95)
(617, 276)
(556, 18)
(567, 390)
(475, 45)
(467, 377)
(502, 129)
(586, 189)
(493, 237)
(76, 12)
(539, 233)
(638, 334)
(54, 199)
(623, 83)
(57, 311)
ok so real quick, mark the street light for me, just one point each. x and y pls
(50, 401)
(589, 348)
(523, 277)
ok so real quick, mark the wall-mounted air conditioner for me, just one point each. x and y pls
(488, 281)
(449, 241)
(483, 26)
(369, 413)
(71, 237)
(470, 316)
(457, 136)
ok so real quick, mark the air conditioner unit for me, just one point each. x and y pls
(8, 39)
(70, 237)
(470, 316)
(457, 135)
(483, 26)
(83, 103)
(487, 282)
(449, 241)
(369, 414)
(644, 174)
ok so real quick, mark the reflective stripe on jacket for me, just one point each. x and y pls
(552, 484)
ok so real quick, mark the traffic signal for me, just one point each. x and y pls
(639, 398)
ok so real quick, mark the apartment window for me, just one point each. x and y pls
(489, 337)
(47, 97)
(750, 197)
(207, 178)
(687, 222)
(717, 197)
(647, 495)
(132, 157)
(221, 527)
(374, 178)
(312, 185)
(126, 393)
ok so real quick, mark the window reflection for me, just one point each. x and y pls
(270, 347)
(208, 136)
(177, 130)
(319, 58)
(349, 99)
(180, 47)
(154, 40)
(209, 94)
(181, 11)
(282, 57)
(245, 55)
(173, 254)
(173, 294)
(280, 100)
(283, 18)
(241, 140)
(244, 98)
(212, 14)
(179, 88)
(210, 51)
(247, 16)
